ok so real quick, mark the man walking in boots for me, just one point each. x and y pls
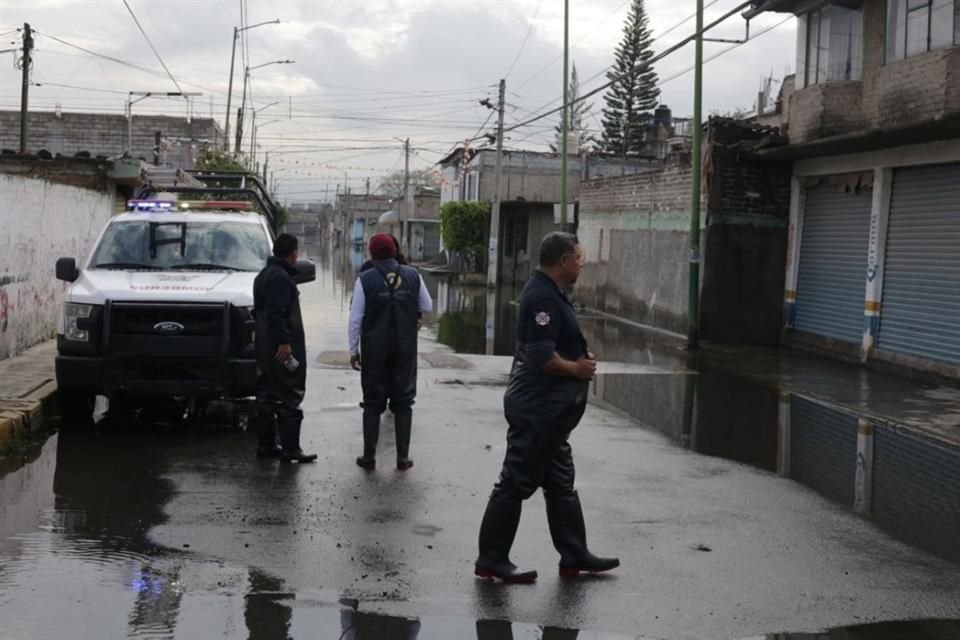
(281, 355)
(384, 318)
(544, 401)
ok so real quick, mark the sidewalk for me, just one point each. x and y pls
(27, 389)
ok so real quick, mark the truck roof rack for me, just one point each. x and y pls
(221, 185)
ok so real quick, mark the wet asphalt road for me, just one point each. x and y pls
(170, 529)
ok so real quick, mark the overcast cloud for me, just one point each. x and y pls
(367, 71)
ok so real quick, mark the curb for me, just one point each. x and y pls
(22, 417)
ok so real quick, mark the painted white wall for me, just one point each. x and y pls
(40, 221)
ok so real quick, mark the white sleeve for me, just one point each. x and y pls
(426, 302)
(357, 309)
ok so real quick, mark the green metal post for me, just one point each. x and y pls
(564, 129)
(693, 304)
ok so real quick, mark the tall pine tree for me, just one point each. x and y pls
(577, 116)
(632, 97)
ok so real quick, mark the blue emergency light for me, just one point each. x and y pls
(151, 205)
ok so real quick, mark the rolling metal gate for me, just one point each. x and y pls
(831, 280)
(823, 449)
(921, 286)
(916, 490)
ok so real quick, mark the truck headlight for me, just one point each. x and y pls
(74, 314)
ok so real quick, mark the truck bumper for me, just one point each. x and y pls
(233, 378)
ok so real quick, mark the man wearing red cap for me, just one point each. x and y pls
(388, 301)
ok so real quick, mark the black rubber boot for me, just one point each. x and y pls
(266, 427)
(403, 423)
(371, 434)
(288, 422)
(569, 533)
(497, 532)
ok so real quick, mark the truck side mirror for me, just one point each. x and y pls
(67, 270)
(306, 271)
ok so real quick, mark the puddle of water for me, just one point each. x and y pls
(907, 484)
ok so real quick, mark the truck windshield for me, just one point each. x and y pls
(226, 246)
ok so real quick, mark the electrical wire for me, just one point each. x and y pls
(640, 68)
(155, 52)
(523, 45)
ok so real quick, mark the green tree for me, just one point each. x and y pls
(465, 227)
(210, 159)
(392, 184)
(633, 95)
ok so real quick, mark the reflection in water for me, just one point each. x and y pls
(909, 485)
(265, 613)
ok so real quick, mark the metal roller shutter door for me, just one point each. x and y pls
(921, 285)
(831, 280)
(823, 449)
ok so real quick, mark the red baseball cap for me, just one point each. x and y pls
(382, 247)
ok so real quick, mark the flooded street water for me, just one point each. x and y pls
(169, 529)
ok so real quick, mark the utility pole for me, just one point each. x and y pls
(157, 141)
(240, 112)
(564, 129)
(693, 302)
(226, 126)
(266, 161)
(27, 62)
(493, 257)
(406, 190)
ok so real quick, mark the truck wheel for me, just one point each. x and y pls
(76, 406)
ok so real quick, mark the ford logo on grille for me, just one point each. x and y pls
(168, 328)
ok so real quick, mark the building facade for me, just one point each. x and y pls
(873, 123)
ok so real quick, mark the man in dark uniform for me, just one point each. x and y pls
(545, 399)
(281, 355)
(384, 318)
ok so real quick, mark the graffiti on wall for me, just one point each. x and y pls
(42, 221)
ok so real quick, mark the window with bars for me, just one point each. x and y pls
(829, 45)
(918, 26)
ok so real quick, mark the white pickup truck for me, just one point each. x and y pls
(163, 307)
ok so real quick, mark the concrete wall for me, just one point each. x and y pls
(636, 233)
(635, 230)
(911, 91)
(104, 134)
(43, 219)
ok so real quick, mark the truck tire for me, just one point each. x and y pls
(76, 406)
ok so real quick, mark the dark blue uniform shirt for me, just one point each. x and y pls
(547, 324)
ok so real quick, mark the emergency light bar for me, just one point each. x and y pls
(169, 205)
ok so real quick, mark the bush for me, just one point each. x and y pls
(466, 229)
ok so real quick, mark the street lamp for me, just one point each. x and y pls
(143, 96)
(233, 56)
(243, 102)
(253, 127)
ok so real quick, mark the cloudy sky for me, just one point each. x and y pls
(367, 71)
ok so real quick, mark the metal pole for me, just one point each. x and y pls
(266, 161)
(693, 303)
(564, 128)
(130, 124)
(240, 113)
(406, 189)
(25, 87)
(493, 258)
(253, 135)
(226, 126)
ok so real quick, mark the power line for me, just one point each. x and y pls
(523, 45)
(637, 69)
(155, 52)
(582, 38)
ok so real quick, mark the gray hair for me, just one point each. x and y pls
(556, 245)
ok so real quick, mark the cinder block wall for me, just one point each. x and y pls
(105, 134)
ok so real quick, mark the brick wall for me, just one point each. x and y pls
(635, 230)
(106, 134)
(915, 90)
